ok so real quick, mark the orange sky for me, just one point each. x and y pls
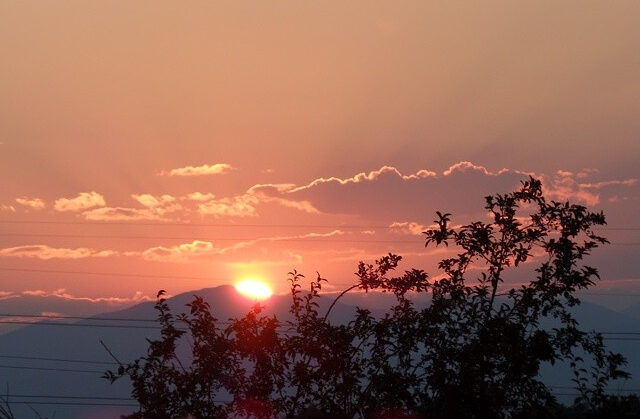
(160, 112)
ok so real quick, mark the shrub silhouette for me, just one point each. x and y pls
(475, 351)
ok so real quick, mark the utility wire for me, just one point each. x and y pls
(52, 316)
(51, 369)
(106, 319)
(617, 390)
(276, 239)
(38, 358)
(199, 278)
(157, 224)
(283, 326)
(35, 396)
(120, 274)
(75, 403)
(233, 239)
(609, 335)
(171, 223)
(48, 316)
(108, 326)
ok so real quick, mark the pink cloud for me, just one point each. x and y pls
(121, 214)
(408, 227)
(463, 166)
(150, 201)
(366, 177)
(198, 249)
(564, 186)
(41, 251)
(304, 206)
(5, 295)
(83, 201)
(63, 294)
(237, 206)
(33, 203)
(200, 197)
(203, 170)
(600, 185)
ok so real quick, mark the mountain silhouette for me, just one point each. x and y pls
(83, 343)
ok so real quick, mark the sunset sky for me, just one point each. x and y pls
(299, 135)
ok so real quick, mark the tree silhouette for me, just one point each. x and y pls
(475, 351)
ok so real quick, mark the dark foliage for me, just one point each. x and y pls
(475, 351)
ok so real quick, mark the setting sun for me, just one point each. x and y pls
(254, 289)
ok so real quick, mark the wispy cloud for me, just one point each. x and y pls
(237, 206)
(203, 170)
(564, 185)
(121, 214)
(200, 197)
(33, 203)
(199, 249)
(600, 185)
(63, 294)
(408, 227)
(83, 201)
(41, 251)
(182, 252)
(151, 201)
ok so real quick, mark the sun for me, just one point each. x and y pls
(254, 289)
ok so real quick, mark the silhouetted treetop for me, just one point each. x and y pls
(475, 351)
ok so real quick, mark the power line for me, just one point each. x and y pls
(34, 396)
(282, 326)
(131, 319)
(239, 239)
(77, 361)
(617, 390)
(120, 274)
(47, 396)
(107, 319)
(51, 316)
(107, 326)
(243, 225)
(606, 333)
(141, 275)
(122, 326)
(75, 403)
(623, 339)
(177, 224)
(274, 239)
(51, 369)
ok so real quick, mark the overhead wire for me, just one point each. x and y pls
(607, 335)
(74, 403)
(314, 239)
(48, 396)
(243, 225)
(51, 369)
(49, 359)
(56, 316)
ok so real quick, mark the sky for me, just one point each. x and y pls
(167, 145)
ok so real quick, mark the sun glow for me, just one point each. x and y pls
(254, 289)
